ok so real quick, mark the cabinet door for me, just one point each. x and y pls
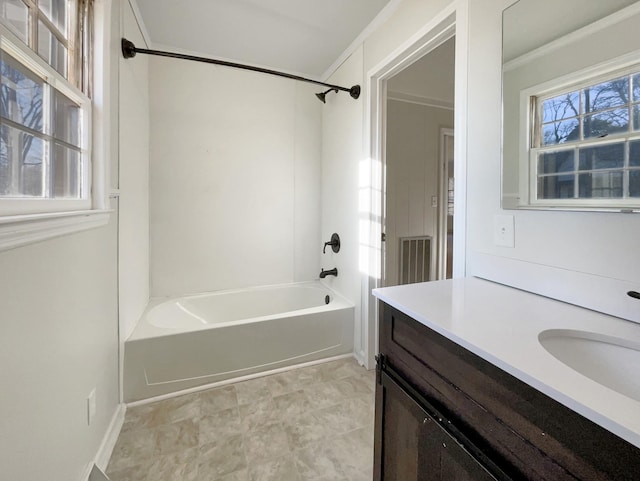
(414, 447)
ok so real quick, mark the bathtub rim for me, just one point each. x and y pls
(145, 330)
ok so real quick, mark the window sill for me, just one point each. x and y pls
(20, 230)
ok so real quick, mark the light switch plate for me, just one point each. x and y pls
(504, 230)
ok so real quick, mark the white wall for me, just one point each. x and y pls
(133, 178)
(58, 342)
(235, 159)
(585, 258)
(412, 177)
(346, 165)
(576, 257)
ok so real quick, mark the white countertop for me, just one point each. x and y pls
(501, 324)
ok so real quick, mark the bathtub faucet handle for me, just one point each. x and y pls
(330, 272)
(334, 243)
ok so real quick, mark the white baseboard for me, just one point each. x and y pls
(108, 441)
(111, 436)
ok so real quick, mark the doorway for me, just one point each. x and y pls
(453, 20)
(418, 178)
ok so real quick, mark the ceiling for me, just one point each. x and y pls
(431, 78)
(529, 24)
(296, 36)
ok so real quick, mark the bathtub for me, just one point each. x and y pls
(201, 339)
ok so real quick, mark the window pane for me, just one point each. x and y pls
(606, 95)
(50, 49)
(56, 11)
(21, 163)
(556, 187)
(634, 183)
(561, 107)
(67, 120)
(20, 94)
(606, 123)
(634, 153)
(554, 162)
(635, 112)
(15, 15)
(65, 173)
(636, 87)
(561, 132)
(602, 157)
(600, 185)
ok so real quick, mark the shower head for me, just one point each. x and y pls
(322, 95)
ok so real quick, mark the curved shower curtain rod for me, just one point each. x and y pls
(129, 50)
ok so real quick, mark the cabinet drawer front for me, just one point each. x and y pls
(534, 436)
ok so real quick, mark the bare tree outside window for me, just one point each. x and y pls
(577, 152)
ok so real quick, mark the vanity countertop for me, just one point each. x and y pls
(501, 325)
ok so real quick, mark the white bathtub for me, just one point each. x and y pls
(201, 339)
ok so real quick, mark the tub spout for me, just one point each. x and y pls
(330, 272)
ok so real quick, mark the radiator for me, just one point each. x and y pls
(415, 259)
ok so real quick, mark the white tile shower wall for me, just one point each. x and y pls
(341, 163)
(234, 182)
(133, 180)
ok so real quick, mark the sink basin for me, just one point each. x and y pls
(610, 361)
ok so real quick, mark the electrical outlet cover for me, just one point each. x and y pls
(91, 406)
(504, 230)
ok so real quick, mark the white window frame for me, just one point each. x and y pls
(529, 155)
(28, 220)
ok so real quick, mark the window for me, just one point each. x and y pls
(45, 113)
(585, 142)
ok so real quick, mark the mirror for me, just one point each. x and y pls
(555, 91)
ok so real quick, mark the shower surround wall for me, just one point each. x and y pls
(234, 178)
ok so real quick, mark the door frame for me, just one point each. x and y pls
(443, 188)
(452, 21)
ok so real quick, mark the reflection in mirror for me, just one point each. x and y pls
(571, 105)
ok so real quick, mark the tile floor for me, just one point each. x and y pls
(308, 424)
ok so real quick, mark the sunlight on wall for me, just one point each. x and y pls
(370, 217)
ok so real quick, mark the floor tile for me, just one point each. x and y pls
(241, 475)
(306, 429)
(251, 391)
(308, 424)
(181, 465)
(220, 425)
(221, 457)
(292, 404)
(133, 448)
(179, 409)
(219, 399)
(284, 382)
(280, 469)
(177, 436)
(259, 413)
(265, 443)
(136, 472)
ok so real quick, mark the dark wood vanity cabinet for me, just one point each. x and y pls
(416, 446)
(443, 413)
